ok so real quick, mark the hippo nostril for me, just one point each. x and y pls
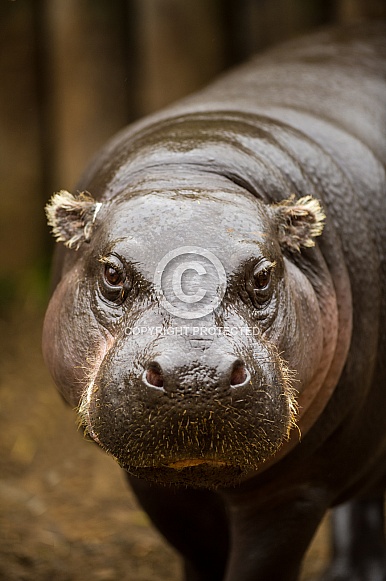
(240, 375)
(153, 375)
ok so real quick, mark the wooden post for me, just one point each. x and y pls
(356, 10)
(88, 92)
(179, 48)
(21, 217)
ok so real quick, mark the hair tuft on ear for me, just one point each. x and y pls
(71, 217)
(299, 222)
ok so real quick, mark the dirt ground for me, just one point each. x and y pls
(66, 513)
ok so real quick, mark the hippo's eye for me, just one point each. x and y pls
(113, 277)
(262, 279)
(115, 284)
(259, 283)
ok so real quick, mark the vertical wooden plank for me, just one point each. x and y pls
(356, 10)
(179, 50)
(88, 84)
(287, 18)
(20, 238)
(253, 25)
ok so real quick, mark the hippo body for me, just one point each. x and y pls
(219, 312)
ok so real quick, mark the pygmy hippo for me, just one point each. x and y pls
(219, 313)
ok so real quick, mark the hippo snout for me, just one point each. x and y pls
(213, 409)
(162, 374)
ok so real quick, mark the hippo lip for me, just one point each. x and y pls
(180, 464)
(195, 473)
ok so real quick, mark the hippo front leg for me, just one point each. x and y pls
(359, 552)
(269, 536)
(194, 521)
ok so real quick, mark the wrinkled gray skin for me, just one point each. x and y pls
(266, 431)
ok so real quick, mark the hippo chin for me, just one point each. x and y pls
(218, 316)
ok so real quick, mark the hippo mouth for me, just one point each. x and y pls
(209, 455)
(196, 473)
(192, 445)
(181, 464)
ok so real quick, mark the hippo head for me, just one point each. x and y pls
(185, 327)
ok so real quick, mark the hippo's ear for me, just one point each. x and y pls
(299, 222)
(71, 217)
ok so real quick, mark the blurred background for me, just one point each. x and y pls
(73, 72)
